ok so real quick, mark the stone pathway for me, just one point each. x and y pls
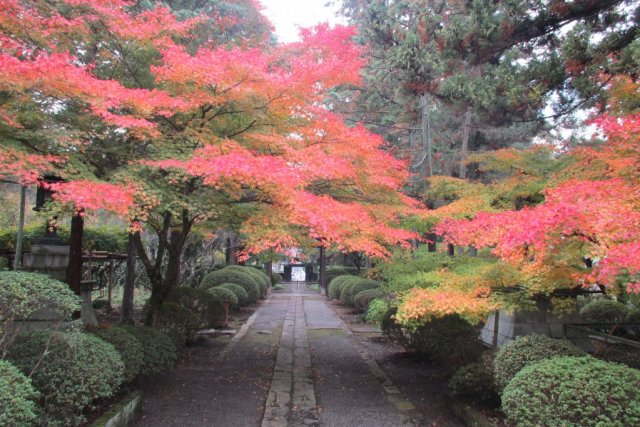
(294, 363)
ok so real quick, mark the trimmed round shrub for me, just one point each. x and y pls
(275, 279)
(353, 287)
(573, 391)
(333, 272)
(263, 282)
(450, 340)
(227, 275)
(362, 299)
(474, 383)
(76, 369)
(345, 288)
(221, 294)
(525, 350)
(604, 311)
(240, 293)
(177, 322)
(127, 346)
(336, 285)
(264, 276)
(17, 397)
(159, 350)
(208, 310)
(25, 295)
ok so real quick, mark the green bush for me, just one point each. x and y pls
(474, 383)
(76, 369)
(159, 351)
(275, 279)
(126, 345)
(354, 286)
(336, 285)
(450, 340)
(24, 294)
(264, 276)
(17, 396)
(221, 294)
(263, 282)
(177, 322)
(333, 272)
(362, 299)
(604, 311)
(230, 275)
(345, 289)
(208, 311)
(240, 293)
(377, 311)
(573, 391)
(633, 316)
(527, 349)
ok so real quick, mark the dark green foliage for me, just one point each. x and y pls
(336, 285)
(126, 345)
(177, 322)
(450, 340)
(604, 311)
(275, 279)
(474, 383)
(221, 294)
(186, 311)
(265, 278)
(159, 350)
(103, 238)
(633, 316)
(230, 275)
(362, 299)
(24, 294)
(76, 369)
(353, 287)
(525, 350)
(100, 304)
(333, 272)
(240, 293)
(17, 396)
(573, 391)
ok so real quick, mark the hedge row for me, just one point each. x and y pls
(71, 369)
(546, 381)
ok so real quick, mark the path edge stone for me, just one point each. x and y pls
(123, 413)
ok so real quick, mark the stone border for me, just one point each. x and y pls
(122, 413)
(467, 414)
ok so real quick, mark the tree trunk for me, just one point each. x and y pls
(450, 249)
(174, 246)
(425, 129)
(17, 260)
(323, 271)
(465, 143)
(74, 269)
(129, 285)
(431, 244)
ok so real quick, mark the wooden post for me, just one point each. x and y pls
(17, 261)
(109, 289)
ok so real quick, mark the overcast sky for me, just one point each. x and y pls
(287, 15)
